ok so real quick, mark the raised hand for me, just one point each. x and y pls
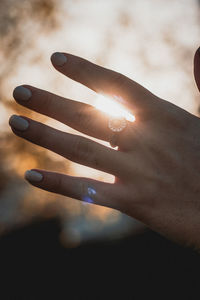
(157, 164)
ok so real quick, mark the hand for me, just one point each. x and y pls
(157, 165)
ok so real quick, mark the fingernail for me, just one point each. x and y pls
(58, 59)
(18, 123)
(22, 93)
(33, 176)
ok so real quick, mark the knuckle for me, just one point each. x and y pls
(83, 152)
(58, 184)
(81, 64)
(81, 149)
(82, 69)
(83, 73)
(36, 136)
(118, 81)
(83, 118)
(40, 135)
(47, 102)
(83, 189)
(76, 148)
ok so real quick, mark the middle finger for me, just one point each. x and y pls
(80, 116)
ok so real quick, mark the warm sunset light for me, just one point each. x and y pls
(110, 107)
(149, 42)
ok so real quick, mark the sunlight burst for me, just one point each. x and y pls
(110, 107)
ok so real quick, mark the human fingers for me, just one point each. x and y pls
(80, 116)
(76, 148)
(104, 81)
(197, 68)
(84, 189)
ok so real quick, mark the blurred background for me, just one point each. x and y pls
(153, 42)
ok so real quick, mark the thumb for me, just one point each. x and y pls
(197, 68)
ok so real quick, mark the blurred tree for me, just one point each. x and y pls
(21, 22)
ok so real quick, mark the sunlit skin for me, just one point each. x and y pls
(156, 166)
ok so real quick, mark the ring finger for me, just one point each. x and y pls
(76, 148)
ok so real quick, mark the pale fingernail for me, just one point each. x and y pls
(33, 176)
(18, 123)
(22, 93)
(58, 59)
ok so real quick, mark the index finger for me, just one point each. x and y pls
(103, 80)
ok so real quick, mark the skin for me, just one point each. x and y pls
(156, 165)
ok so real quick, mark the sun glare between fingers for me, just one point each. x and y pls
(110, 107)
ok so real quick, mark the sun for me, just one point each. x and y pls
(112, 108)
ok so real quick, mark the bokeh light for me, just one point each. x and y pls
(152, 42)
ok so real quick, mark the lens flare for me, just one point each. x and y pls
(110, 107)
(88, 198)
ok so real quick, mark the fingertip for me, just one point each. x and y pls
(18, 123)
(22, 93)
(33, 176)
(58, 59)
